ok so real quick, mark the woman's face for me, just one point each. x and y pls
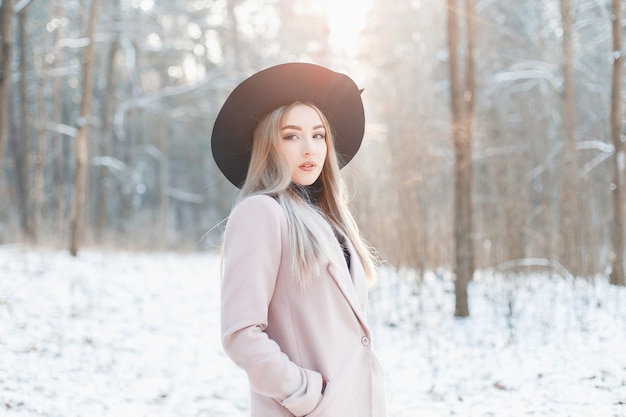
(304, 144)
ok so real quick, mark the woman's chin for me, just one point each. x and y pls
(305, 181)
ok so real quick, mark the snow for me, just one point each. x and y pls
(137, 334)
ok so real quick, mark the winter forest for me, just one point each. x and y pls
(490, 181)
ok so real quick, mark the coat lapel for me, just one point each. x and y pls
(351, 282)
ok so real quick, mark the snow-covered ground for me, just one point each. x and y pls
(134, 334)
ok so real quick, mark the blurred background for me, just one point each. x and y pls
(494, 128)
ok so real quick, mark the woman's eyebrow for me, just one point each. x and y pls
(299, 128)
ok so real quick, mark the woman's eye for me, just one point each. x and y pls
(290, 137)
(319, 136)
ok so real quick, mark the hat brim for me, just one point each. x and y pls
(335, 94)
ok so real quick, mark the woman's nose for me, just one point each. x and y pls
(308, 148)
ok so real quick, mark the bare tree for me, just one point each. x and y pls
(233, 34)
(78, 203)
(469, 97)
(461, 103)
(56, 148)
(6, 49)
(20, 140)
(41, 77)
(617, 229)
(102, 186)
(568, 173)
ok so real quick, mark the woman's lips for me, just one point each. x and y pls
(308, 166)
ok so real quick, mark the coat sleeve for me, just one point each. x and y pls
(251, 260)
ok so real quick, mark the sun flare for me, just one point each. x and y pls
(346, 20)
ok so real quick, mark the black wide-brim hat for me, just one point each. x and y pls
(335, 94)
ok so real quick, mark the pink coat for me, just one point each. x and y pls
(288, 339)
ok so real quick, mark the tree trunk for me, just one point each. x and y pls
(469, 98)
(81, 151)
(58, 205)
(104, 182)
(21, 148)
(233, 28)
(568, 173)
(617, 229)
(462, 171)
(164, 181)
(42, 144)
(39, 183)
(6, 45)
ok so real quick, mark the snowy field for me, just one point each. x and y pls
(133, 335)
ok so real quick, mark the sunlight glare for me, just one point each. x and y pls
(144, 5)
(346, 20)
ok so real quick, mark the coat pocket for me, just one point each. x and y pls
(317, 411)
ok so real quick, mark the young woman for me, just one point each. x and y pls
(295, 269)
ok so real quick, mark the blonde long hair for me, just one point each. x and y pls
(270, 174)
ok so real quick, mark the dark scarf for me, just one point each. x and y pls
(309, 193)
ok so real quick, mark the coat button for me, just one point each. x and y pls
(365, 340)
